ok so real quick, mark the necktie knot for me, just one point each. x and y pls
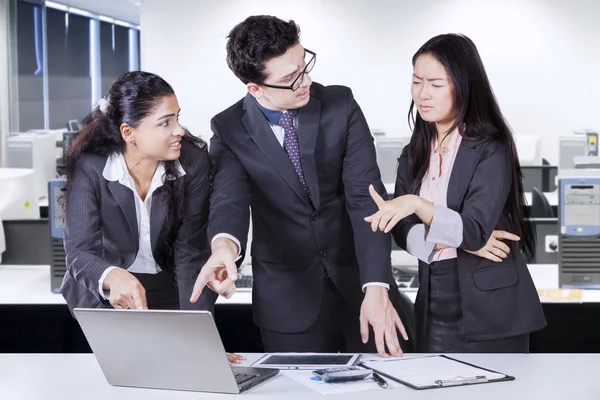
(286, 119)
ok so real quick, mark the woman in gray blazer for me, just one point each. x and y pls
(459, 181)
(138, 186)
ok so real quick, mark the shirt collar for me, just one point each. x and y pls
(454, 140)
(272, 115)
(115, 170)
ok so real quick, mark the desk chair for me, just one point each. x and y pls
(540, 206)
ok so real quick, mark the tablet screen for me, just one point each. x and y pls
(308, 359)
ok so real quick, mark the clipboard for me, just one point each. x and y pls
(435, 372)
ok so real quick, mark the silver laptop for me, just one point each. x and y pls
(164, 349)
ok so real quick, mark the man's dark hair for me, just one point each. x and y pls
(255, 41)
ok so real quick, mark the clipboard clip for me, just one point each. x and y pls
(462, 380)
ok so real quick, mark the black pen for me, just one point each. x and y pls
(380, 381)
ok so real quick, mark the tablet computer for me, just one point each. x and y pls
(307, 360)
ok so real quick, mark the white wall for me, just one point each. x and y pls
(542, 56)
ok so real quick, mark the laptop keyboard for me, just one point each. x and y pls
(241, 378)
(244, 282)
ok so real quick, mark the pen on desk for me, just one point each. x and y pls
(380, 381)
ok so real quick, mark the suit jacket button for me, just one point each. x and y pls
(323, 253)
(315, 217)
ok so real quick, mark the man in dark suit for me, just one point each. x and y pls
(301, 156)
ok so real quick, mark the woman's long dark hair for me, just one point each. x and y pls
(478, 115)
(132, 97)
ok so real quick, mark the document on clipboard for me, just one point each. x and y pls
(431, 372)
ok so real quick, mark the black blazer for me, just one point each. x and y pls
(498, 299)
(294, 239)
(101, 229)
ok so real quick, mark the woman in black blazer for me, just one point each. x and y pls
(137, 194)
(458, 192)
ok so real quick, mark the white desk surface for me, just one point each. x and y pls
(78, 376)
(24, 284)
(30, 284)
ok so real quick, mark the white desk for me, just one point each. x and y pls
(31, 285)
(78, 376)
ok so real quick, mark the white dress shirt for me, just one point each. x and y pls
(116, 170)
(279, 133)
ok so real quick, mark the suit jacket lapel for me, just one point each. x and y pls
(158, 213)
(462, 171)
(261, 133)
(309, 117)
(124, 198)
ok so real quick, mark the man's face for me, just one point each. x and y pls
(285, 70)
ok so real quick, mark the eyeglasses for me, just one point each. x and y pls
(310, 64)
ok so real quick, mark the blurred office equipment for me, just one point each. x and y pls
(17, 200)
(591, 145)
(58, 134)
(546, 245)
(65, 144)
(405, 280)
(579, 238)
(2, 240)
(56, 215)
(388, 151)
(587, 162)
(541, 176)
(245, 279)
(244, 282)
(27, 242)
(529, 149)
(25, 234)
(540, 206)
(570, 147)
(18, 197)
(405, 268)
(73, 125)
(35, 150)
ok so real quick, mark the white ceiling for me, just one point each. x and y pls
(124, 10)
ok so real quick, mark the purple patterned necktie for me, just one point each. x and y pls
(291, 146)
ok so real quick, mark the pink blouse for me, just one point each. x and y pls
(435, 184)
(446, 227)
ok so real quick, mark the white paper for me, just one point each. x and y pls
(304, 377)
(425, 371)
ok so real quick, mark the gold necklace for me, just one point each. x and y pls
(444, 149)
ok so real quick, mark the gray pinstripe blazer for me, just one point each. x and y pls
(101, 229)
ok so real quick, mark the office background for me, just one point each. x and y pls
(60, 60)
(541, 57)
